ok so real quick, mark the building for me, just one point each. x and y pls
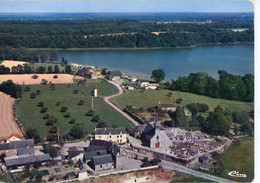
(114, 75)
(146, 84)
(103, 162)
(20, 161)
(12, 148)
(154, 136)
(203, 159)
(117, 135)
(167, 107)
(75, 155)
(13, 137)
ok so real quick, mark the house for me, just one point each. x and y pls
(117, 135)
(11, 148)
(146, 84)
(154, 135)
(103, 162)
(114, 75)
(75, 155)
(89, 154)
(203, 159)
(13, 137)
(104, 71)
(80, 164)
(167, 107)
(23, 151)
(15, 162)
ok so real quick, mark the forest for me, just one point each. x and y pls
(124, 30)
(228, 86)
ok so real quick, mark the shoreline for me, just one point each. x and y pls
(140, 48)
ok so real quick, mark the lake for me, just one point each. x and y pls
(236, 59)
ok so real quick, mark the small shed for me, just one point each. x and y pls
(203, 159)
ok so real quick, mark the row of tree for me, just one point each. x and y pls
(27, 69)
(228, 86)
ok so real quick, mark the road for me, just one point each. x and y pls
(107, 100)
(183, 169)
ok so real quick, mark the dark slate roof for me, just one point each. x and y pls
(101, 143)
(107, 131)
(115, 73)
(89, 154)
(82, 72)
(80, 163)
(24, 159)
(74, 153)
(202, 158)
(21, 144)
(140, 128)
(104, 159)
(166, 105)
(4, 146)
(22, 151)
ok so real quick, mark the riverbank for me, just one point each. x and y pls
(136, 48)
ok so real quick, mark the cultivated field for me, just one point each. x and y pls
(11, 63)
(29, 113)
(26, 79)
(150, 98)
(7, 123)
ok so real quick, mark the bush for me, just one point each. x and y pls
(55, 76)
(40, 104)
(90, 113)
(53, 129)
(43, 110)
(101, 124)
(75, 91)
(72, 120)
(49, 123)
(46, 116)
(81, 102)
(35, 77)
(63, 109)
(77, 131)
(95, 118)
(67, 114)
(32, 95)
(38, 92)
(179, 100)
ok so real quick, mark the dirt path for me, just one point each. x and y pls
(107, 100)
(7, 122)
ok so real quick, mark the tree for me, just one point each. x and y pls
(43, 109)
(101, 124)
(179, 118)
(32, 133)
(77, 131)
(217, 122)
(49, 69)
(56, 69)
(67, 114)
(68, 69)
(63, 109)
(53, 56)
(43, 56)
(40, 104)
(90, 113)
(10, 88)
(95, 118)
(50, 149)
(81, 102)
(158, 75)
(41, 70)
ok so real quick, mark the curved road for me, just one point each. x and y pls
(107, 100)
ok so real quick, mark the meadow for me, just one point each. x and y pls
(151, 98)
(239, 158)
(29, 113)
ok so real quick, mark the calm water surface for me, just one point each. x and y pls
(236, 59)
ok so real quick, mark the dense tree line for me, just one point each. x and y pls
(11, 88)
(27, 69)
(134, 32)
(228, 86)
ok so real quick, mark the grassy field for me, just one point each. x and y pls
(150, 98)
(239, 158)
(37, 65)
(29, 113)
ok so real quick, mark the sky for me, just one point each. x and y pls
(90, 6)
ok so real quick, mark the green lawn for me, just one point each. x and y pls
(239, 158)
(29, 113)
(150, 98)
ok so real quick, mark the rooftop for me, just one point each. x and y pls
(108, 131)
(103, 159)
